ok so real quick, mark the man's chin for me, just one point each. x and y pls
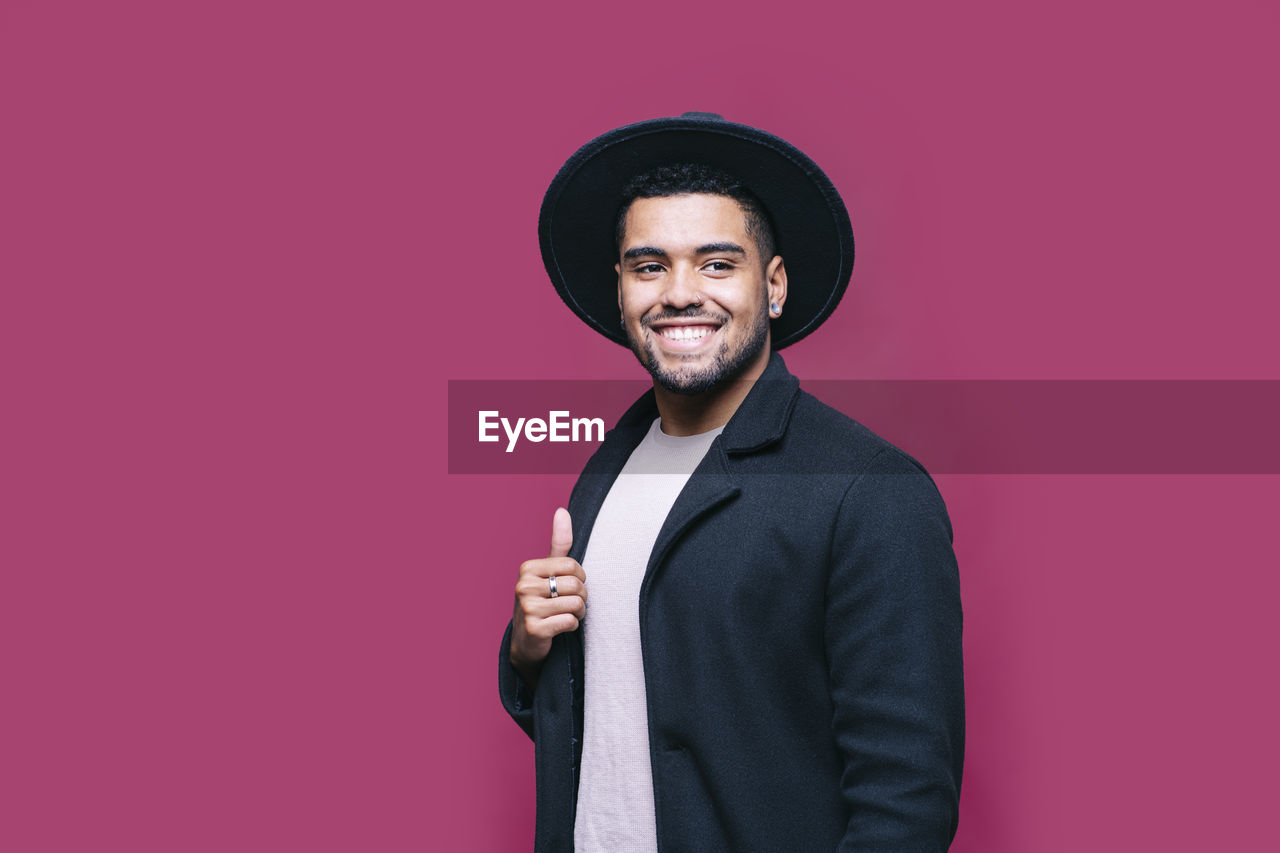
(689, 386)
(689, 380)
(684, 380)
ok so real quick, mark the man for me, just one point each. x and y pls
(772, 658)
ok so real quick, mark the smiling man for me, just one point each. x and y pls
(697, 284)
(772, 659)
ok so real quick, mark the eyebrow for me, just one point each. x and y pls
(643, 252)
(722, 249)
(708, 249)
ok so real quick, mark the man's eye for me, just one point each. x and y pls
(719, 266)
(649, 268)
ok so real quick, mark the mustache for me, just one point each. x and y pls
(690, 313)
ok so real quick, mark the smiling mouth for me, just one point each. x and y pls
(683, 334)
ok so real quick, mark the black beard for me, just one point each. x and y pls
(724, 366)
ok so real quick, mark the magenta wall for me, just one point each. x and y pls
(242, 250)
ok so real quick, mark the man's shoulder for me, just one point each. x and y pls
(820, 435)
(876, 479)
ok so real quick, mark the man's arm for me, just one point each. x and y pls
(550, 599)
(893, 639)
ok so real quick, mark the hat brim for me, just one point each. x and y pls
(579, 213)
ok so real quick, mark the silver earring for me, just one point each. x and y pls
(775, 308)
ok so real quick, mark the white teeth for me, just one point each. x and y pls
(685, 333)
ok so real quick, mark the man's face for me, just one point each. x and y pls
(684, 250)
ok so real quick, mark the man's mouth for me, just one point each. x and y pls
(686, 333)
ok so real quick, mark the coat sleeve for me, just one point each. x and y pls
(516, 697)
(893, 642)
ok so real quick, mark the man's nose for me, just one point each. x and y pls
(682, 288)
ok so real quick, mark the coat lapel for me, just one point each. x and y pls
(760, 420)
(709, 486)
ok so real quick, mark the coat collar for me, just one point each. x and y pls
(761, 418)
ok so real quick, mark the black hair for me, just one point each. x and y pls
(688, 178)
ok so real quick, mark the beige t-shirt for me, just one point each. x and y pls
(615, 793)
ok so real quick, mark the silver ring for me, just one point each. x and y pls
(552, 580)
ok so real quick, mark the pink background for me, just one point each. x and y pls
(243, 248)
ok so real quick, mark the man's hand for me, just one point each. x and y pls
(538, 616)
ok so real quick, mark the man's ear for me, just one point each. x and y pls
(775, 277)
(617, 268)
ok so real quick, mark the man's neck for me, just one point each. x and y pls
(685, 414)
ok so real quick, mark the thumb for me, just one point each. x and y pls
(561, 533)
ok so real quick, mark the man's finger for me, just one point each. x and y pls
(560, 623)
(545, 608)
(545, 567)
(561, 533)
(539, 586)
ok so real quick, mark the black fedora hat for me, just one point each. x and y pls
(580, 209)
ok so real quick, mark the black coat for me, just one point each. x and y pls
(800, 624)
